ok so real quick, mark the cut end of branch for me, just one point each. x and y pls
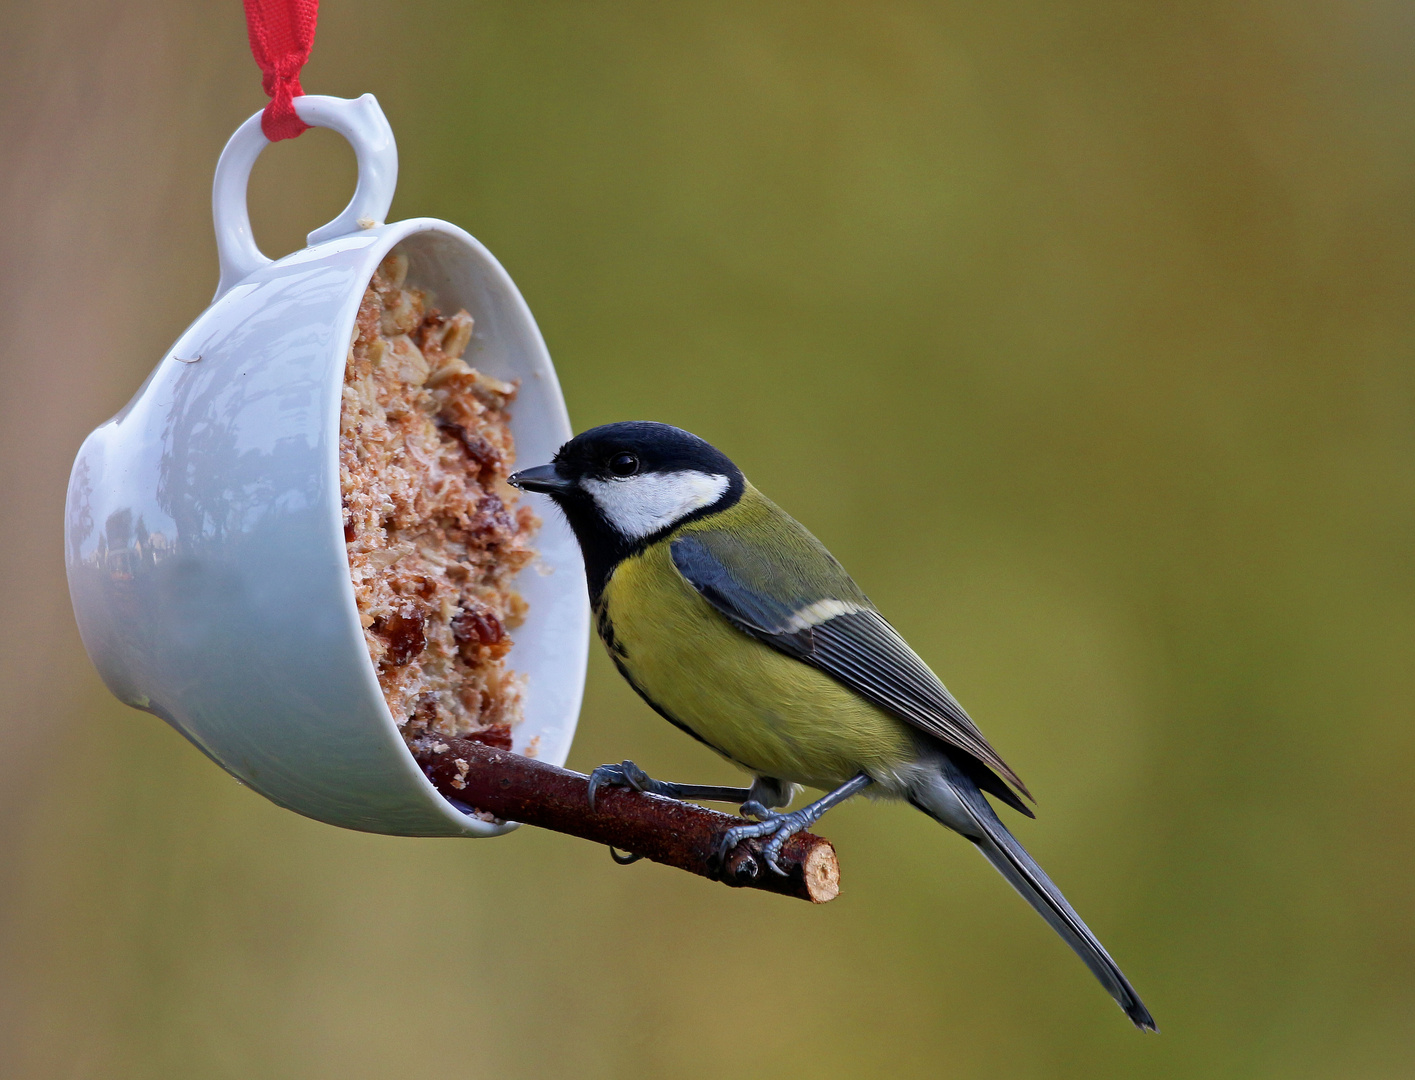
(821, 870)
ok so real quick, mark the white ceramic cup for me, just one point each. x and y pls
(204, 533)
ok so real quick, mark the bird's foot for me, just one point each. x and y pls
(627, 774)
(780, 827)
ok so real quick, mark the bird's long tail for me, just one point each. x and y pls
(954, 800)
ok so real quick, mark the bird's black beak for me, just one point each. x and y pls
(542, 478)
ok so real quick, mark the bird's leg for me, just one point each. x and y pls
(782, 827)
(629, 775)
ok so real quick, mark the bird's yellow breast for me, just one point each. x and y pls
(759, 707)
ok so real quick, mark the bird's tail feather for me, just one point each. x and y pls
(1001, 849)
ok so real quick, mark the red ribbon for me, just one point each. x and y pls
(282, 34)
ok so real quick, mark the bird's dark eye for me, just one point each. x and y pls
(624, 464)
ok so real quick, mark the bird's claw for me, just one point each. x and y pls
(780, 827)
(626, 859)
(625, 774)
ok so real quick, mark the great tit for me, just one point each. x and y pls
(737, 625)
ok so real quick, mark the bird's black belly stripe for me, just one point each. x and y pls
(606, 634)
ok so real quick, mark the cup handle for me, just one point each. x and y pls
(359, 120)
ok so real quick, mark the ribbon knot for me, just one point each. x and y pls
(282, 34)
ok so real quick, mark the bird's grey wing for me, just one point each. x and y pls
(756, 588)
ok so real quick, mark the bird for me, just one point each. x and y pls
(737, 625)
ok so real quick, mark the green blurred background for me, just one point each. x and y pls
(1082, 332)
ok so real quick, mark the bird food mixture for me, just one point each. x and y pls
(433, 531)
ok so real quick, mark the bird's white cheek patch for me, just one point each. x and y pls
(640, 506)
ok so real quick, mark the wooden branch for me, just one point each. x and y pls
(515, 788)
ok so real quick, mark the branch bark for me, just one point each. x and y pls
(516, 788)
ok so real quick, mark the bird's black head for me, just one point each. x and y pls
(623, 486)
